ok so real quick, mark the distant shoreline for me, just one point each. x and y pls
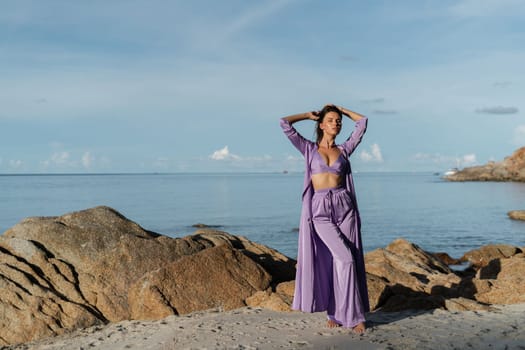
(289, 172)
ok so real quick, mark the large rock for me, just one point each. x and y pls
(219, 277)
(512, 168)
(517, 214)
(482, 256)
(404, 263)
(501, 281)
(407, 277)
(280, 267)
(62, 273)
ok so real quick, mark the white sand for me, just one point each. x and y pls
(250, 328)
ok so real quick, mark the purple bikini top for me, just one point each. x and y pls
(319, 165)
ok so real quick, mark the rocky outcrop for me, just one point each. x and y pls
(95, 266)
(483, 256)
(517, 214)
(89, 267)
(403, 276)
(415, 279)
(512, 168)
(278, 300)
(501, 281)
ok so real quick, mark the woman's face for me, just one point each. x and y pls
(331, 124)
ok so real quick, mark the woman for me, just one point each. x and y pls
(330, 266)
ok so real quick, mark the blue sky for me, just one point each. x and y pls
(172, 86)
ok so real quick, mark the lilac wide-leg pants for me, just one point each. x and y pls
(334, 218)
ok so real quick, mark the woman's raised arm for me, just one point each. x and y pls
(360, 128)
(302, 116)
(295, 138)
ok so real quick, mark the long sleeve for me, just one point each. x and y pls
(297, 139)
(355, 138)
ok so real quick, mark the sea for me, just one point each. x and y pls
(437, 215)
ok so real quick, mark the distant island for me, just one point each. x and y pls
(510, 169)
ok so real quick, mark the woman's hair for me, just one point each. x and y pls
(321, 115)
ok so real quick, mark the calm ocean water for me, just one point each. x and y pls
(435, 214)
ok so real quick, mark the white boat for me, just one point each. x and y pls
(450, 172)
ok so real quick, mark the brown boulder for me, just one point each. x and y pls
(464, 304)
(219, 277)
(105, 251)
(72, 271)
(268, 300)
(446, 259)
(403, 276)
(482, 256)
(517, 214)
(378, 290)
(502, 281)
(280, 267)
(404, 263)
(280, 300)
(38, 294)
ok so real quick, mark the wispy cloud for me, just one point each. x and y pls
(446, 160)
(374, 155)
(64, 160)
(348, 58)
(498, 110)
(15, 164)
(502, 84)
(385, 111)
(374, 100)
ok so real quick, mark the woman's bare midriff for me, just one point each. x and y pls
(322, 181)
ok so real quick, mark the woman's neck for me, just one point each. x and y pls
(327, 142)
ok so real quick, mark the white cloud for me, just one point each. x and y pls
(373, 156)
(519, 135)
(224, 154)
(60, 158)
(15, 164)
(294, 158)
(161, 162)
(87, 160)
(468, 159)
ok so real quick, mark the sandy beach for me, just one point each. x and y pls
(255, 328)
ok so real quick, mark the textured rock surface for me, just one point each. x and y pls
(512, 168)
(501, 281)
(406, 277)
(517, 214)
(280, 300)
(219, 277)
(482, 256)
(404, 263)
(62, 273)
(95, 266)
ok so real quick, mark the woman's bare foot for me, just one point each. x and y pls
(332, 324)
(360, 328)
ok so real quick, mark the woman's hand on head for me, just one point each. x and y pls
(313, 115)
